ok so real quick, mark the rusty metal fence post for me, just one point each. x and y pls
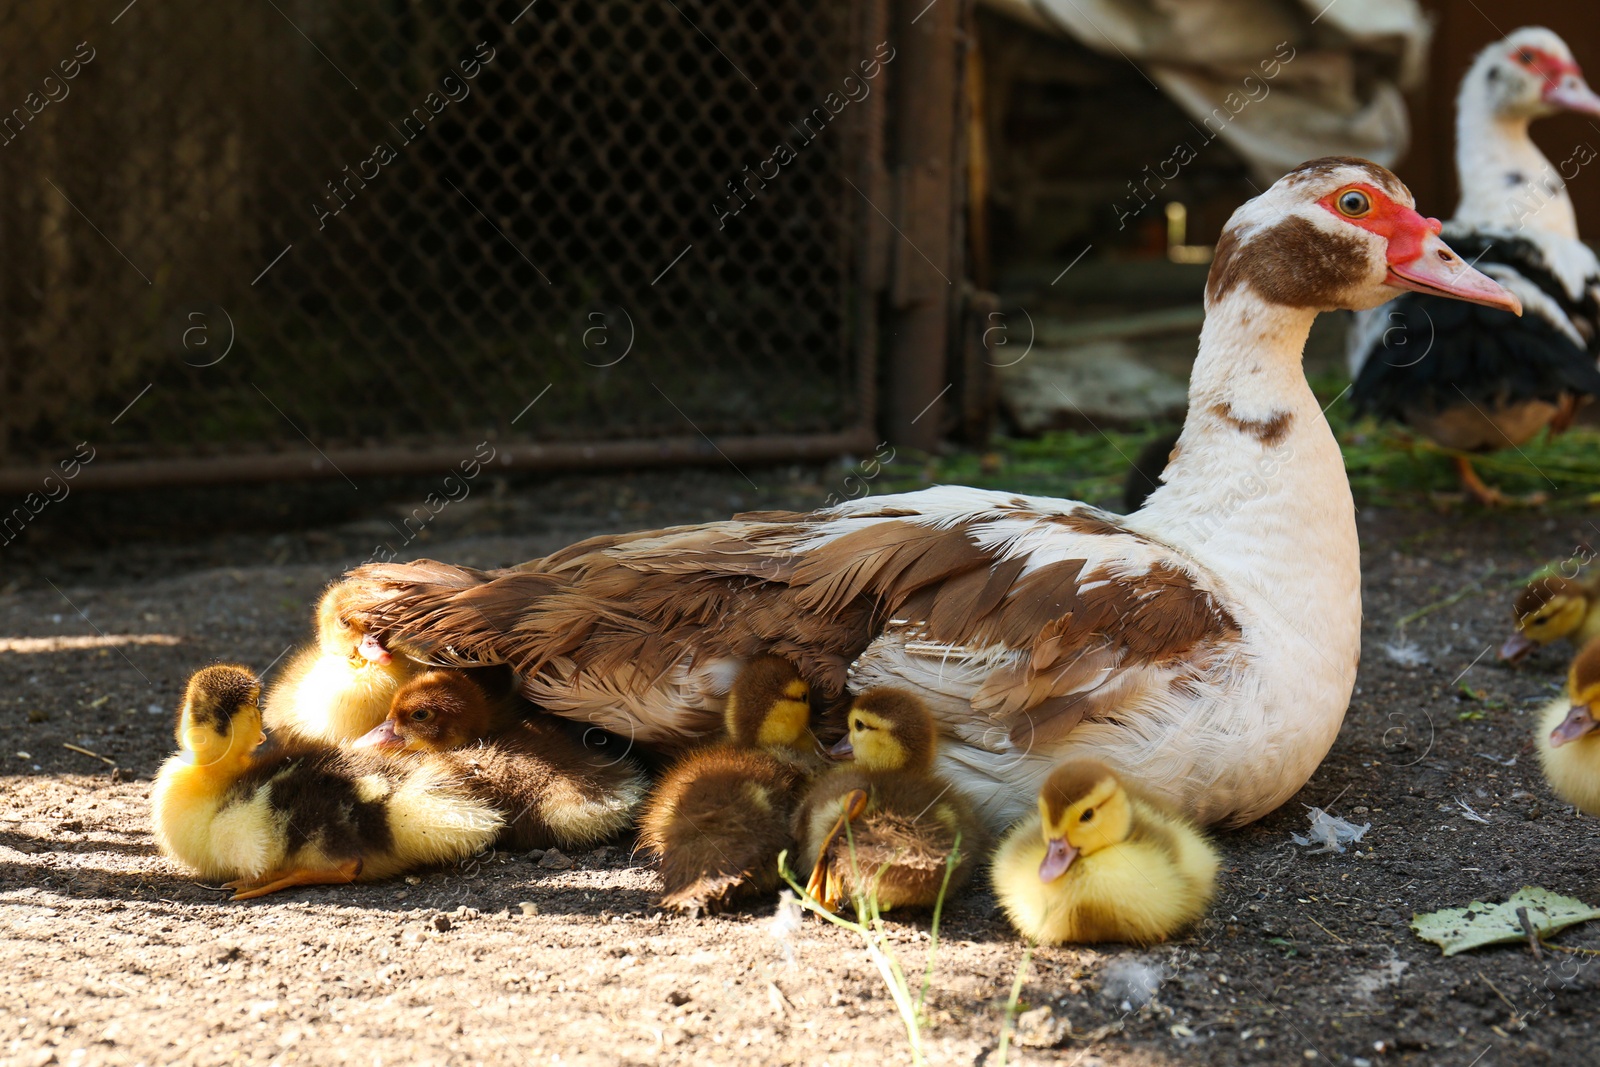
(927, 257)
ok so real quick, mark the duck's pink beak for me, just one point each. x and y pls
(1572, 93)
(1057, 858)
(372, 650)
(1437, 270)
(842, 749)
(1578, 723)
(381, 737)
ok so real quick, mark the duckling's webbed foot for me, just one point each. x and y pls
(1488, 495)
(272, 881)
(825, 884)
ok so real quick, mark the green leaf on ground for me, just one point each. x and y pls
(1478, 924)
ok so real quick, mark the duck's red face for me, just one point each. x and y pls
(1418, 259)
(1563, 84)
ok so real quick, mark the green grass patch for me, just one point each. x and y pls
(1387, 465)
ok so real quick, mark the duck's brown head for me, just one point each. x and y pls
(339, 634)
(890, 730)
(436, 711)
(219, 722)
(1583, 689)
(1546, 610)
(1083, 808)
(769, 706)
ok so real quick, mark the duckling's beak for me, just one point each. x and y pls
(1057, 858)
(372, 650)
(381, 737)
(1579, 721)
(1517, 646)
(842, 749)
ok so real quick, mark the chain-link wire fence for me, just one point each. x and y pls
(293, 229)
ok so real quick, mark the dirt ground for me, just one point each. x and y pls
(112, 955)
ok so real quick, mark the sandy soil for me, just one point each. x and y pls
(112, 955)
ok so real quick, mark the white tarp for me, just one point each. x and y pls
(1280, 81)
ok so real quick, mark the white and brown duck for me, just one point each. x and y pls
(1205, 647)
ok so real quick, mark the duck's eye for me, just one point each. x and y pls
(1086, 816)
(421, 716)
(1525, 56)
(1353, 203)
(857, 724)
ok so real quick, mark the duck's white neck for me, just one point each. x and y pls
(1258, 489)
(1257, 501)
(1505, 180)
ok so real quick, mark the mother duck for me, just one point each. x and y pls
(1205, 647)
(1477, 380)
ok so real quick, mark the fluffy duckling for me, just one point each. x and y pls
(269, 817)
(1100, 862)
(721, 815)
(904, 820)
(1569, 744)
(1549, 609)
(552, 790)
(340, 687)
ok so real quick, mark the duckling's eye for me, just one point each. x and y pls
(1353, 203)
(421, 716)
(857, 724)
(1086, 816)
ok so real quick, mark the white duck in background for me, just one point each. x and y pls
(1476, 379)
(1205, 647)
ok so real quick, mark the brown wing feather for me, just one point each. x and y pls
(639, 603)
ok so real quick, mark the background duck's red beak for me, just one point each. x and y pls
(1573, 94)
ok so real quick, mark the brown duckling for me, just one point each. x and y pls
(904, 821)
(340, 687)
(552, 791)
(721, 815)
(267, 817)
(1549, 609)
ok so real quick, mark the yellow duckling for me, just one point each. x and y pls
(721, 815)
(270, 817)
(1569, 744)
(553, 791)
(340, 687)
(1549, 609)
(904, 820)
(1102, 863)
